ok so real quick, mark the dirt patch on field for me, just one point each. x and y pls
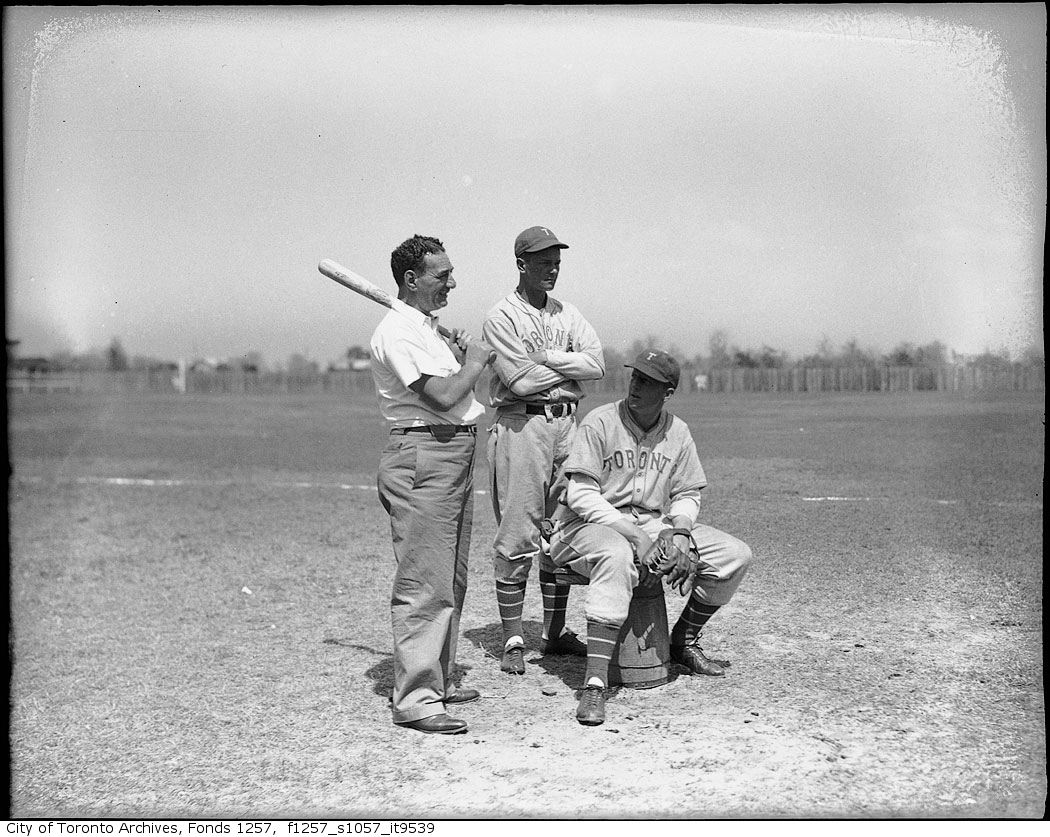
(860, 721)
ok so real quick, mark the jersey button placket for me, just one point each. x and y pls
(637, 461)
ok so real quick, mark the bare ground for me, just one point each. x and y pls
(219, 646)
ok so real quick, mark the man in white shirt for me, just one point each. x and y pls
(424, 377)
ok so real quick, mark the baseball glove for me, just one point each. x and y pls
(666, 559)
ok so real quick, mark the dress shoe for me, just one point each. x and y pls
(464, 696)
(591, 709)
(437, 725)
(567, 645)
(694, 659)
(513, 660)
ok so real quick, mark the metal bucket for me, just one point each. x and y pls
(643, 651)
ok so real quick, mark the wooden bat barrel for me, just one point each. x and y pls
(643, 651)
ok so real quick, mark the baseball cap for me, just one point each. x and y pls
(658, 365)
(535, 239)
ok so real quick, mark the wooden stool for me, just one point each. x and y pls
(642, 657)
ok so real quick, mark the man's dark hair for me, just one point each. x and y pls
(411, 255)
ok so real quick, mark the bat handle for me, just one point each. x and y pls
(444, 332)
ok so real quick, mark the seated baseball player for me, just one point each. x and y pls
(629, 516)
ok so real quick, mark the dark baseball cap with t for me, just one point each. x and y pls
(657, 365)
(535, 239)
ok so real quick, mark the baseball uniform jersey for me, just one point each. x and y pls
(649, 477)
(514, 329)
(526, 450)
(641, 474)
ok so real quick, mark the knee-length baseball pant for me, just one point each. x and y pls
(525, 458)
(426, 486)
(605, 557)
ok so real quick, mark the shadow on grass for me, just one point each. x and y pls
(382, 673)
(489, 638)
(569, 670)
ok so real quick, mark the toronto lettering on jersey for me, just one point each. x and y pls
(552, 338)
(654, 460)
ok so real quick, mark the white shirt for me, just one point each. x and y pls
(405, 346)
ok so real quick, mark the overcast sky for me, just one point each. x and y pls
(786, 174)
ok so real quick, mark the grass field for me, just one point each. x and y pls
(200, 623)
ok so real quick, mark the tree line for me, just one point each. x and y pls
(721, 353)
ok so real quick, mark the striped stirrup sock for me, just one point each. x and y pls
(555, 601)
(601, 642)
(691, 622)
(510, 599)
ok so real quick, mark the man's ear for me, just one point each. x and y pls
(410, 280)
(521, 265)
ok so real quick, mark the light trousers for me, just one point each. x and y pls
(605, 557)
(426, 486)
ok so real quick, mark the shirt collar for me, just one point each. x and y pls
(658, 429)
(552, 305)
(414, 314)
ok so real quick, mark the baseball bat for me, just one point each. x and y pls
(359, 285)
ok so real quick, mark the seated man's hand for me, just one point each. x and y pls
(673, 559)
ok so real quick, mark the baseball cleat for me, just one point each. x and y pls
(693, 658)
(591, 710)
(513, 661)
(567, 645)
(437, 725)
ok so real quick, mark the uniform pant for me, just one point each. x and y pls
(605, 557)
(426, 486)
(525, 454)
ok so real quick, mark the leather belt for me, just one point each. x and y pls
(439, 430)
(566, 408)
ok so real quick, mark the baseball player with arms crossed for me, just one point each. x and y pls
(634, 480)
(544, 348)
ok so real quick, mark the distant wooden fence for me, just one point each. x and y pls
(164, 380)
(946, 378)
(943, 378)
(267, 383)
(139, 380)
